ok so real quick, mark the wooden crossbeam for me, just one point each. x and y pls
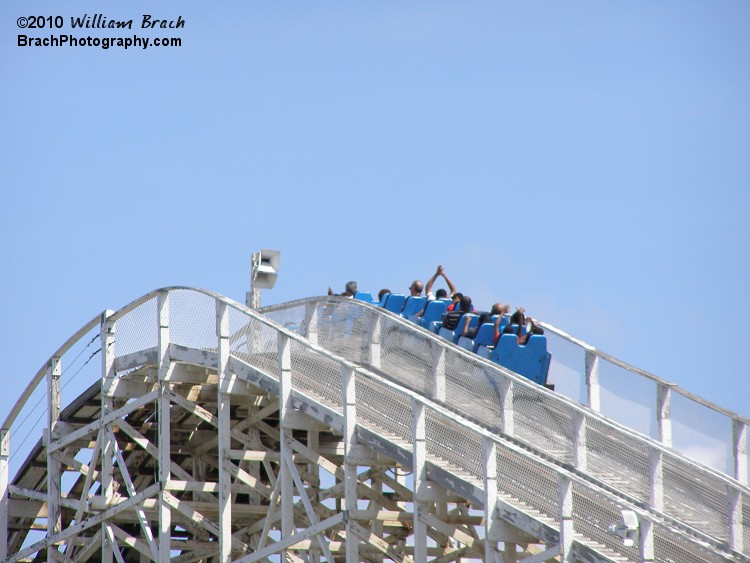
(293, 539)
(379, 543)
(86, 524)
(108, 418)
(196, 517)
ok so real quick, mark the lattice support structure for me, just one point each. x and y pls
(172, 494)
(255, 442)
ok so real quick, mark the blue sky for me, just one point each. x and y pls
(585, 160)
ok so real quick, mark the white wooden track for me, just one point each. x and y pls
(328, 429)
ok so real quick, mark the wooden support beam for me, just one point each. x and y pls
(593, 390)
(565, 517)
(489, 458)
(348, 398)
(311, 516)
(105, 438)
(196, 517)
(142, 520)
(289, 541)
(4, 482)
(285, 407)
(378, 543)
(223, 422)
(133, 542)
(105, 419)
(54, 515)
(164, 426)
(419, 453)
(90, 522)
(84, 496)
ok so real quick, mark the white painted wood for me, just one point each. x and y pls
(505, 400)
(96, 425)
(309, 510)
(565, 508)
(90, 474)
(580, 457)
(141, 515)
(593, 391)
(663, 414)
(4, 457)
(164, 428)
(95, 520)
(489, 459)
(374, 337)
(735, 512)
(107, 339)
(419, 453)
(656, 478)
(646, 540)
(291, 540)
(375, 451)
(224, 422)
(349, 399)
(54, 522)
(438, 370)
(739, 451)
(285, 407)
(311, 321)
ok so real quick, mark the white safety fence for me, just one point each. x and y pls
(551, 452)
(618, 452)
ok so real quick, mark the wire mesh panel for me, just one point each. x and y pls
(670, 548)
(593, 514)
(531, 485)
(382, 408)
(621, 461)
(691, 498)
(473, 390)
(138, 329)
(342, 328)
(406, 356)
(316, 375)
(543, 422)
(192, 319)
(453, 443)
(253, 341)
(291, 317)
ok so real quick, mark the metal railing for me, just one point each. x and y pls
(649, 404)
(553, 451)
(639, 400)
(656, 474)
